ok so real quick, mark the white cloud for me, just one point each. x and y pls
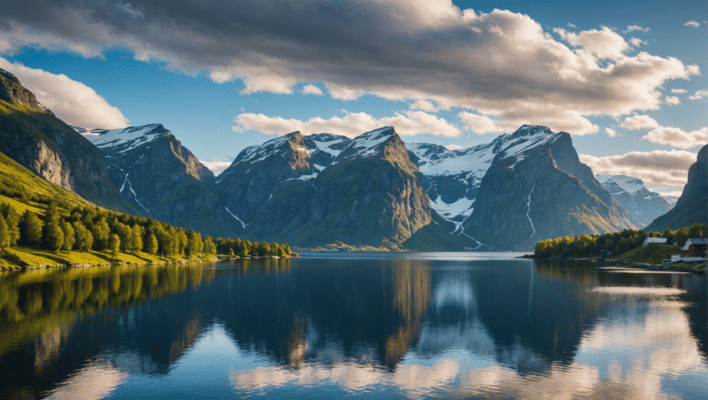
(481, 124)
(673, 100)
(658, 167)
(413, 50)
(572, 25)
(632, 28)
(699, 94)
(639, 122)
(672, 136)
(693, 24)
(312, 89)
(636, 42)
(407, 123)
(71, 101)
(424, 105)
(216, 166)
(678, 91)
(610, 132)
(454, 147)
(603, 43)
(677, 137)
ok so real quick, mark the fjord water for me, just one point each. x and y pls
(415, 325)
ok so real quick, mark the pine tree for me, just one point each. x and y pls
(136, 239)
(113, 243)
(30, 229)
(69, 236)
(151, 244)
(53, 236)
(4, 233)
(84, 238)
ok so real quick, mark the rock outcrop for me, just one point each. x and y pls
(35, 138)
(692, 207)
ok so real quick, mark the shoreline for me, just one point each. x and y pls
(696, 267)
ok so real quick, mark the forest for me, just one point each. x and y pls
(92, 229)
(617, 242)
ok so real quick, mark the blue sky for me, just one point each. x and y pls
(627, 79)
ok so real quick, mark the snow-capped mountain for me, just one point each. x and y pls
(536, 188)
(164, 179)
(35, 138)
(644, 206)
(324, 148)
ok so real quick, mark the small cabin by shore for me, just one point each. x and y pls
(694, 248)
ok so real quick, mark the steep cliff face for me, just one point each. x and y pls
(34, 137)
(692, 206)
(267, 185)
(163, 178)
(535, 189)
(642, 204)
(370, 195)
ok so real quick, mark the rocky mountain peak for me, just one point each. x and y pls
(125, 139)
(369, 143)
(12, 91)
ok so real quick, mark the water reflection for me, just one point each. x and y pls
(332, 327)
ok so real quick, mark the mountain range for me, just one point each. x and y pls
(643, 205)
(372, 191)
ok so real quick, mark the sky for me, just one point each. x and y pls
(627, 79)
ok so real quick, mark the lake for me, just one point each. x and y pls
(408, 325)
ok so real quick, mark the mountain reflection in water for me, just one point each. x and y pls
(381, 325)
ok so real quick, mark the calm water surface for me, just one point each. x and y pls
(421, 325)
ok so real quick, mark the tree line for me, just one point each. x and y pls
(86, 228)
(618, 242)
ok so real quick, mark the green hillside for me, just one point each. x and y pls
(44, 224)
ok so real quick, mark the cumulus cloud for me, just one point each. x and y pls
(482, 124)
(699, 94)
(424, 105)
(677, 137)
(407, 123)
(639, 122)
(693, 24)
(672, 136)
(610, 132)
(658, 167)
(678, 91)
(216, 166)
(454, 147)
(312, 89)
(603, 43)
(636, 42)
(673, 100)
(414, 50)
(71, 101)
(632, 28)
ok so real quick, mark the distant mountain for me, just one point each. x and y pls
(324, 189)
(163, 178)
(35, 138)
(536, 188)
(643, 205)
(369, 195)
(692, 206)
(671, 200)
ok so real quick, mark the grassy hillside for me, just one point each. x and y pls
(24, 189)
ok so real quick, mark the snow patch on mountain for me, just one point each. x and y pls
(127, 139)
(629, 184)
(366, 144)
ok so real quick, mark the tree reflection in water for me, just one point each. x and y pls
(354, 323)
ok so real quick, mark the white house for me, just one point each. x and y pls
(653, 240)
